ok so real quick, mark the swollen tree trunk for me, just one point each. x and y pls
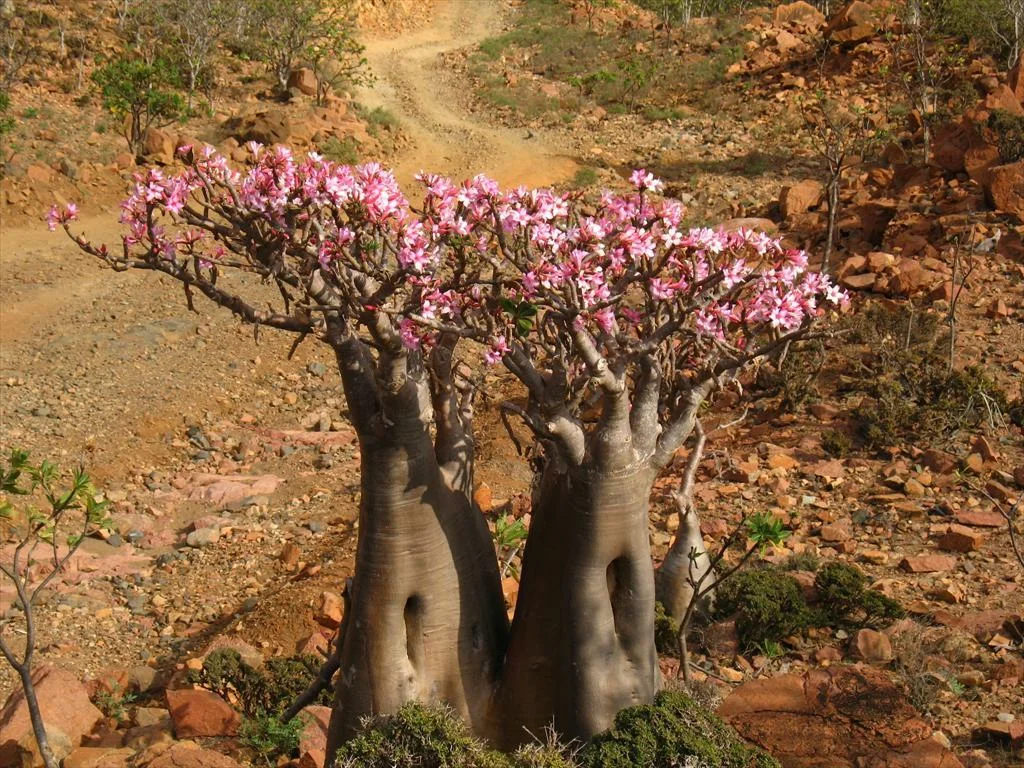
(581, 646)
(684, 565)
(582, 641)
(427, 619)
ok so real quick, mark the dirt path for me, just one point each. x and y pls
(413, 84)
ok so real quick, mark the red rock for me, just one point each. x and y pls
(980, 519)
(927, 563)
(828, 655)
(303, 79)
(183, 754)
(290, 554)
(198, 712)
(1000, 492)
(484, 497)
(982, 446)
(801, 12)
(828, 469)
(858, 282)
(975, 463)
(998, 310)
(938, 461)
(98, 757)
(844, 716)
(834, 532)
(871, 646)
(823, 411)
(67, 713)
(981, 624)
(800, 197)
(1003, 99)
(951, 143)
(249, 654)
(979, 161)
(787, 42)
(782, 461)
(1006, 734)
(313, 740)
(157, 146)
(853, 265)
(330, 612)
(1018, 475)
(1006, 188)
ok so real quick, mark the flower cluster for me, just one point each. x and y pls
(498, 266)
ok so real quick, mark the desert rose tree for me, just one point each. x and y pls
(618, 322)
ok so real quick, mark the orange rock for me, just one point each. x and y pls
(927, 563)
(800, 197)
(1006, 188)
(197, 712)
(959, 538)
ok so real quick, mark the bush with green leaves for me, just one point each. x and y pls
(270, 738)
(767, 604)
(142, 94)
(843, 596)
(6, 121)
(1007, 130)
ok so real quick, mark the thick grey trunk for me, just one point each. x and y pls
(582, 641)
(427, 619)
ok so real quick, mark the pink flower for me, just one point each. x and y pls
(63, 215)
(498, 349)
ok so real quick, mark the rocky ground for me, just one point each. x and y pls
(233, 475)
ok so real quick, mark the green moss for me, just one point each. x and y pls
(767, 603)
(664, 733)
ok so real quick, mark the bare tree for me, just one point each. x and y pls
(73, 509)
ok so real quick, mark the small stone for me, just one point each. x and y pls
(203, 537)
(875, 557)
(871, 646)
(951, 593)
(330, 612)
(972, 678)
(291, 398)
(980, 519)
(317, 369)
(730, 674)
(483, 497)
(290, 554)
(959, 538)
(927, 563)
(975, 463)
(782, 461)
(913, 488)
(834, 532)
(315, 526)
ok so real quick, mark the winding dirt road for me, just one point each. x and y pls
(430, 104)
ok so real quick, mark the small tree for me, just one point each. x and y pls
(57, 528)
(616, 308)
(283, 31)
(140, 94)
(190, 31)
(336, 57)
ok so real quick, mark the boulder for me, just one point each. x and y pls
(157, 146)
(845, 716)
(67, 714)
(1003, 99)
(1016, 82)
(1006, 188)
(800, 197)
(927, 563)
(951, 144)
(98, 757)
(787, 42)
(798, 12)
(313, 739)
(183, 754)
(303, 80)
(269, 126)
(197, 712)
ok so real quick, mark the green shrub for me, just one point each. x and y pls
(585, 177)
(910, 389)
(844, 597)
(143, 94)
(666, 732)
(261, 692)
(767, 603)
(344, 151)
(836, 443)
(1008, 132)
(6, 122)
(666, 632)
(269, 738)
(417, 736)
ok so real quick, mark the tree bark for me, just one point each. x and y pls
(427, 617)
(582, 641)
